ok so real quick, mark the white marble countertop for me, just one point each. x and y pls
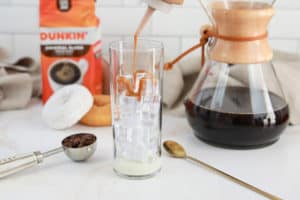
(275, 169)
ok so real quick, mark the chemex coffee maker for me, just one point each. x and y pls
(237, 100)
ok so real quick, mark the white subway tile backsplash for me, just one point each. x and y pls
(180, 22)
(25, 2)
(171, 46)
(19, 19)
(298, 47)
(178, 30)
(36, 2)
(106, 41)
(122, 21)
(109, 2)
(289, 46)
(6, 43)
(134, 3)
(287, 4)
(285, 24)
(191, 3)
(27, 45)
(188, 43)
(4, 2)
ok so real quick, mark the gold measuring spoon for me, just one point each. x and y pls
(177, 151)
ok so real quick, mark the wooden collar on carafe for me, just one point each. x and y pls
(208, 32)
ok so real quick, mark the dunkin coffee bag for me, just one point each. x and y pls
(70, 45)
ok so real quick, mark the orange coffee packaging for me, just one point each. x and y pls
(70, 45)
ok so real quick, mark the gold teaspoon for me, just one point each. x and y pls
(177, 151)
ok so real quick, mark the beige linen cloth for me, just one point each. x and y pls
(19, 82)
(179, 81)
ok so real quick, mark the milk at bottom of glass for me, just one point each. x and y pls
(137, 148)
(137, 168)
(137, 135)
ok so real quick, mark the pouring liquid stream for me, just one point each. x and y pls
(128, 85)
(145, 19)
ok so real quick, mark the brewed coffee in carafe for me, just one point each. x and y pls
(237, 100)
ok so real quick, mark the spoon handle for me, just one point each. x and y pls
(236, 180)
(16, 164)
(53, 152)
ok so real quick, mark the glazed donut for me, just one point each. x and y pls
(100, 113)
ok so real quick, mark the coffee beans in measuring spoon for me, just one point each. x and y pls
(78, 147)
(79, 140)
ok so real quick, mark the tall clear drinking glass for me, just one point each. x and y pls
(136, 92)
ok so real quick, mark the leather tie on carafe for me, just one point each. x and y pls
(207, 33)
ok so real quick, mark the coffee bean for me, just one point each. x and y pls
(79, 140)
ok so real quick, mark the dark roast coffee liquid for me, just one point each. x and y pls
(233, 123)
